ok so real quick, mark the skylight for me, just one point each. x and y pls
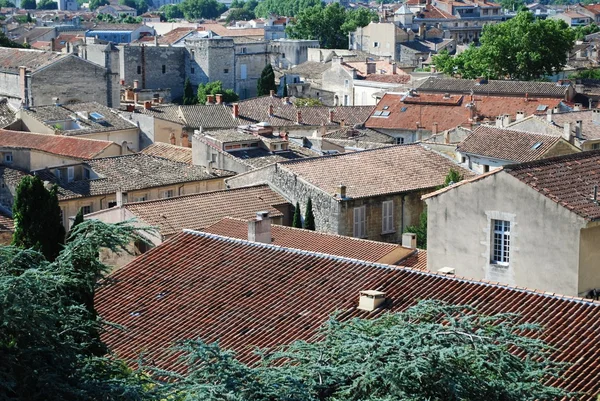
(377, 113)
(96, 116)
(542, 107)
(536, 145)
(404, 109)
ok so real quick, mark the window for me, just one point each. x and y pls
(168, 193)
(192, 70)
(226, 71)
(70, 174)
(463, 159)
(86, 173)
(375, 44)
(486, 168)
(164, 68)
(139, 198)
(501, 242)
(346, 103)
(112, 204)
(139, 69)
(86, 209)
(595, 146)
(399, 141)
(360, 222)
(8, 158)
(346, 83)
(282, 55)
(243, 50)
(243, 71)
(57, 174)
(387, 217)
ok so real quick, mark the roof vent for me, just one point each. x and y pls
(369, 300)
(450, 271)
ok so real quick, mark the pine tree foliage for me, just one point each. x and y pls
(266, 82)
(78, 220)
(309, 216)
(433, 351)
(188, 93)
(297, 220)
(37, 217)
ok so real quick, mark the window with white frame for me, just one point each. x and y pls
(86, 209)
(360, 222)
(501, 242)
(168, 193)
(387, 217)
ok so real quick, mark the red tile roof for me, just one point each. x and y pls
(434, 12)
(246, 295)
(567, 180)
(79, 148)
(395, 169)
(313, 241)
(167, 151)
(175, 35)
(417, 260)
(227, 33)
(201, 210)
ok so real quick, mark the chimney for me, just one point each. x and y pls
(259, 229)
(422, 31)
(520, 115)
(555, 110)
(210, 99)
(499, 120)
(53, 45)
(319, 132)
(577, 107)
(185, 141)
(209, 167)
(342, 191)
(136, 84)
(567, 131)
(549, 115)
(371, 68)
(136, 96)
(219, 98)
(596, 116)
(447, 137)
(434, 129)
(342, 122)
(119, 198)
(236, 110)
(370, 300)
(23, 85)
(331, 115)
(394, 68)
(286, 100)
(506, 120)
(578, 129)
(270, 110)
(299, 117)
(172, 139)
(272, 93)
(147, 105)
(56, 101)
(409, 240)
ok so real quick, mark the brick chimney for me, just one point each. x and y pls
(185, 141)
(147, 105)
(53, 44)
(210, 99)
(259, 229)
(271, 110)
(331, 115)
(219, 98)
(236, 110)
(298, 117)
(342, 122)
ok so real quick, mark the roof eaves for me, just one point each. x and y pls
(463, 182)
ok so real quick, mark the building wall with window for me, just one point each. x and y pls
(29, 159)
(543, 245)
(339, 81)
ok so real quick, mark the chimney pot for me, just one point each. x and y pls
(549, 115)
(370, 300)
(270, 110)
(259, 229)
(342, 191)
(578, 129)
(567, 132)
(219, 98)
(596, 116)
(236, 110)
(577, 107)
(272, 93)
(298, 117)
(147, 104)
(210, 99)
(409, 240)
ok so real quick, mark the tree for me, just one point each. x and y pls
(266, 82)
(188, 92)
(46, 336)
(94, 4)
(297, 220)
(582, 31)
(6, 42)
(432, 351)
(358, 18)
(172, 11)
(78, 220)
(7, 3)
(197, 9)
(285, 88)
(453, 177)
(239, 14)
(37, 216)
(512, 5)
(28, 4)
(586, 74)
(420, 230)
(307, 102)
(289, 8)
(522, 48)
(309, 217)
(47, 5)
(215, 88)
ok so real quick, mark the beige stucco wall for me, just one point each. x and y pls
(589, 259)
(130, 135)
(544, 250)
(163, 130)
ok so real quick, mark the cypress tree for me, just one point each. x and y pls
(78, 220)
(37, 216)
(188, 93)
(309, 217)
(297, 221)
(285, 89)
(266, 82)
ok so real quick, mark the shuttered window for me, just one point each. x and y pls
(360, 222)
(387, 217)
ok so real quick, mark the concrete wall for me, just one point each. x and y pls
(545, 237)
(335, 79)
(289, 52)
(10, 88)
(589, 259)
(203, 153)
(30, 160)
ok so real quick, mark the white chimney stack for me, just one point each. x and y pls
(370, 300)
(409, 240)
(549, 115)
(567, 131)
(259, 229)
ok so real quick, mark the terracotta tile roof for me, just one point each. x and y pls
(394, 169)
(388, 78)
(130, 173)
(313, 241)
(201, 210)
(12, 59)
(590, 130)
(433, 12)
(495, 87)
(167, 151)
(417, 260)
(567, 180)
(175, 35)
(593, 8)
(507, 144)
(78, 148)
(362, 135)
(399, 111)
(276, 295)
(6, 222)
(227, 33)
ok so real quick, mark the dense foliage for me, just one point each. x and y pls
(266, 82)
(522, 48)
(289, 8)
(198, 9)
(172, 11)
(141, 6)
(432, 351)
(297, 220)
(586, 74)
(37, 216)
(241, 11)
(6, 42)
(188, 92)
(94, 4)
(582, 31)
(307, 102)
(28, 4)
(309, 216)
(214, 88)
(329, 25)
(47, 5)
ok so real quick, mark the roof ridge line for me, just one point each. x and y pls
(389, 267)
(573, 156)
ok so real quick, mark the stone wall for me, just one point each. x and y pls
(211, 60)
(250, 60)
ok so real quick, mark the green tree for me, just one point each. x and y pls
(297, 220)
(512, 5)
(307, 102)
(420, 230)
(37, 216)
(6, 42)
(47, 5)
(198, 9)
(46, 333)
(78, 220)
(28, 4)
(309, 216)
(358, 18)
(94, 4)
(285, 88)
(582, 31)
(141, 6)
(432, 351)
(128, 3)
(266, 82)
(214, 88)
(172, 11)
(586, 74)
(522, 48)
(289, 8)
(188, 92)
(7, 3)
(239, 14)
(453, 177)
